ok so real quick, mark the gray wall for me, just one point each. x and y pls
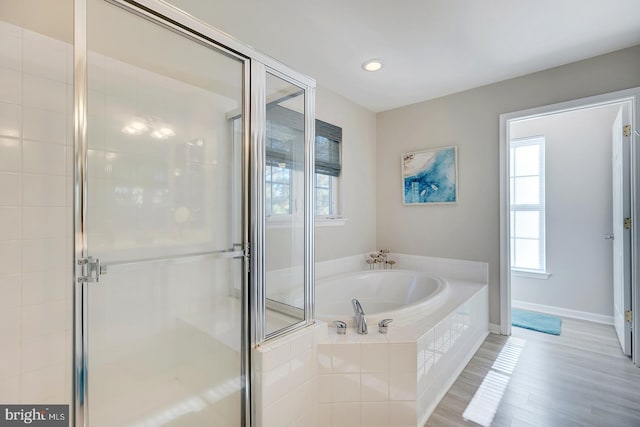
(470, 120)
(357, 192)
(578, 211)
(357, 181)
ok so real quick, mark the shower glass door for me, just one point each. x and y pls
(165, 216)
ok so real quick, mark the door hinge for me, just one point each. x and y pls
(628, 316)
(626, 130)
(627, 223)
(91, 270)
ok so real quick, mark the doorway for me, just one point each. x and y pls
(556, 205)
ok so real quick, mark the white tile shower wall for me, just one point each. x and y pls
(183, 173)
(193, 166)
(36, 228)
(34, 200)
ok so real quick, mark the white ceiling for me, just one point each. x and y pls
(430, 48)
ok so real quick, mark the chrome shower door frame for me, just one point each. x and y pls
(259, 72)
(255, 67)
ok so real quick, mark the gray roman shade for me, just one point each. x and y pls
(285, 137)
(328, 139)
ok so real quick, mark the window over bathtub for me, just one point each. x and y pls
(284, 166)
(328, 166)
(527, 202)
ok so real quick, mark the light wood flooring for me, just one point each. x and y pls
(580, 378)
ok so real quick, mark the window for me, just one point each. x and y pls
(327, 168)
(284, 154)
(278, 190)
(324, 195)
(527, 205)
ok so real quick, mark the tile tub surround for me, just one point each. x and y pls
(285, 379)
(371, 380)
(398, 379)
(470, 271)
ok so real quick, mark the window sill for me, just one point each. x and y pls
(540, 275)
(284, 221)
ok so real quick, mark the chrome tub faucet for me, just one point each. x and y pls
(361, 321)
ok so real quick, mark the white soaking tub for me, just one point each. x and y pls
(383, 294)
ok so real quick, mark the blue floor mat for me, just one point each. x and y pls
(536, 321)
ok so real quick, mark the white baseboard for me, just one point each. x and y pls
(564, 312)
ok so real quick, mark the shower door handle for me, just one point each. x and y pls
(232, 252)
(238, 250)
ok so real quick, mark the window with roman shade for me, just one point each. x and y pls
(285, 154)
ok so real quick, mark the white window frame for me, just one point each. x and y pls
(333, 197)
(540, 207)
(334, 218)
(269, 206)
(296, 179)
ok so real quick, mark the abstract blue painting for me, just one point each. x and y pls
(430, 176)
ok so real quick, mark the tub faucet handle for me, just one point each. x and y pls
(341, 327)
(383, 325)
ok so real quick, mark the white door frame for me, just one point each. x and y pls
(632, 95)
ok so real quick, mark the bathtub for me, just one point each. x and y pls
(383, 294)
(438, 326)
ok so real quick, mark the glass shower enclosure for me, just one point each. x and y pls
(169, 197)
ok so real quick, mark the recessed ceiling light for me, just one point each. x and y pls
(372, 65)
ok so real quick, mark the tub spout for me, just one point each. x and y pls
(361, 321)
